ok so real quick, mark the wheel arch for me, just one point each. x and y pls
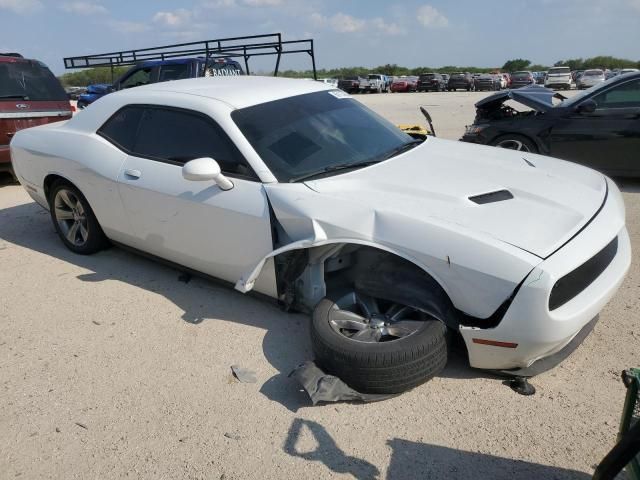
(305, 271)
(50, 179)
(539, 146)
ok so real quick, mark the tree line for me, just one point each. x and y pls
(103, 75)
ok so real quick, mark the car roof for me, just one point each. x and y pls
(236, 91)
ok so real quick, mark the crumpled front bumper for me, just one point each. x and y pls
(538, 331)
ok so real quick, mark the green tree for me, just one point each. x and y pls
(515, 65)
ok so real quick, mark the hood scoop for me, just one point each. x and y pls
(492, 197)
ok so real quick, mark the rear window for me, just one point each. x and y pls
(593, 73)
(427, 76)
(29, 81)
(216, 68)
(559, 70)
(519, 75)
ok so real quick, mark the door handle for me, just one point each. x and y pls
(133, 173)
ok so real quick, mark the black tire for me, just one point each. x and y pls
(383, 367)
(95, 239)
(514, 139)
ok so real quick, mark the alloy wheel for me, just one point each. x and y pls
(363, 318)
(71, 217)
(512, 144)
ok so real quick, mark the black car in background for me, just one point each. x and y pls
(460, 81)
(486, 81)
(599, 127)
(522, 79)
(349, 84)
(431, 81)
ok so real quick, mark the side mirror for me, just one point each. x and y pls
(205, 169)
(588, 106)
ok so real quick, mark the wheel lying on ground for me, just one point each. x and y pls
(376, 346)
(515, 142)
(74, 220)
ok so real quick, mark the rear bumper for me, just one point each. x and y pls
(538, 331)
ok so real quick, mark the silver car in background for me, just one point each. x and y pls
(590, 78)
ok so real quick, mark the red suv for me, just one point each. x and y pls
(30, 95)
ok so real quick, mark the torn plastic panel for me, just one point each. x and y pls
(323, 387)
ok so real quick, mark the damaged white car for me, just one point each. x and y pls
(297, 191)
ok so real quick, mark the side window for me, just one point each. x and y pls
(174, 72)
(179, 136)
(137, 78)
(121, 128)
(626, 95)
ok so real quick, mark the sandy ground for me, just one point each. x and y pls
(111, 367)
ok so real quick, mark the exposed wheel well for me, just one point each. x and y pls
(306, 276)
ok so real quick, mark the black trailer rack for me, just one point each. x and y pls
(233, 47)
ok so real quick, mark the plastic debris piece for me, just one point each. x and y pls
(243, 375)
(323, 387)
(521, 386)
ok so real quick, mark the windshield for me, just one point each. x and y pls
(29, 81)
(562, 70)
(305, 135)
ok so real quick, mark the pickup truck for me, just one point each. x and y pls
(154, 71)
(351, 84)
(376, 82)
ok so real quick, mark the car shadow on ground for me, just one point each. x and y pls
(412, 460)
(286, 342)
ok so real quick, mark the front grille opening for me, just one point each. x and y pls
(576, 281)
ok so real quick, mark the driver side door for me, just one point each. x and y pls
(607, 139)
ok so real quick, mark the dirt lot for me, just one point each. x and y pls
(111, 367)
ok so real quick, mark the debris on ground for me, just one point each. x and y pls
(243, 375)
(323, 387)
(82, 425)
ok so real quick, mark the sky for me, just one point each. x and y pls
(366, 33)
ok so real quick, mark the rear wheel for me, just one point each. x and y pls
(377, 346)
(515, 142)
(74, 220)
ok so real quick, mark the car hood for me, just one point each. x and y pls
(547, 201)
(535, 97)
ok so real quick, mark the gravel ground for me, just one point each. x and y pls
(111, 367)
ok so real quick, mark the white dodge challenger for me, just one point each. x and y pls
(294, 190)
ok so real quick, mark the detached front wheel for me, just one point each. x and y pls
(377, 346)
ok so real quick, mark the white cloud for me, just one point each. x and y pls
(21, 6)
(123, 26)
(388, 28)
(635, 4)
(177, 18)
(344, 23)
(83, 8)
(262, 3)
(430, 17)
